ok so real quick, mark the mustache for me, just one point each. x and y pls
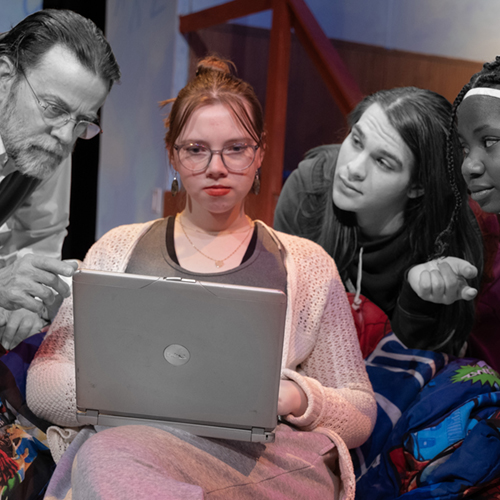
(52, 148)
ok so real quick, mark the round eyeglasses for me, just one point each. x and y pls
(55, 116)
(197, 157)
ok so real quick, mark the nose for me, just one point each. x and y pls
(65, 133)
(216, 167)
(472, 166)
(356, 168)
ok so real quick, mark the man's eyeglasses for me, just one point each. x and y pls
(56, 116)
(197, 157)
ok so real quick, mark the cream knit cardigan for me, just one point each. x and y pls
(321, 350)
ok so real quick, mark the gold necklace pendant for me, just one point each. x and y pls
(218, 262)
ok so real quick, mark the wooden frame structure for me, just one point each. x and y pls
(287, 14)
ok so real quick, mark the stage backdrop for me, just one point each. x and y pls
(12, 11)
(154, 59)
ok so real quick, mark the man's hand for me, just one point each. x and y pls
(443, 281)
(32, 277)
(15, 326)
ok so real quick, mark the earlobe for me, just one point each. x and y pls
(415, 192)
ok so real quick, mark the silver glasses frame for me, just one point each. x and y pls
(220, 152)
(65, 117)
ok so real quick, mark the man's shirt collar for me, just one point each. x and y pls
(3, 155)
(4, 161)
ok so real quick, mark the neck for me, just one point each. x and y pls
(379, 226)
(215, 222)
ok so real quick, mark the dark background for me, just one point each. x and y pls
(83, 208)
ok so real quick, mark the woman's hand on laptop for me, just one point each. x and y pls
(291, 399)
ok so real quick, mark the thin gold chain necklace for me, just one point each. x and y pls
(218, 262)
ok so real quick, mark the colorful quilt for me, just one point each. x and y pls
(438, 430)
(26, 464)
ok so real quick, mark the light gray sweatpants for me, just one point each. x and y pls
(135, 462)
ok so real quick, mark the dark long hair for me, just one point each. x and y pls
(439, 223)
(29, 40)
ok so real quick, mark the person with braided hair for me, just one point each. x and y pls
(389, 209)
(476, 111)
(477, 108)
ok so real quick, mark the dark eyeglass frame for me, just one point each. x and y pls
(91, 128)
(220, 152)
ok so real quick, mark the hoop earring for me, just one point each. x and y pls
(256, 183)
(174, 188)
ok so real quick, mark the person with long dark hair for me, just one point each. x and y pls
(389, 208)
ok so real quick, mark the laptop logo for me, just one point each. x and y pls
(176, 354)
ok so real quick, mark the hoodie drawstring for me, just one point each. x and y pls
(356, 303)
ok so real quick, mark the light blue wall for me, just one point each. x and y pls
(154, 60)
(12, 11)
(132, 159)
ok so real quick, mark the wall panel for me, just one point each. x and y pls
(312, 116)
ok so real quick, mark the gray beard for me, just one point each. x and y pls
(30, 162)
(37, 157)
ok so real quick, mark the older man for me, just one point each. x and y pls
(56, 70)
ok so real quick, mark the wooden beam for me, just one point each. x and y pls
(221, 14)
(339, 81)
(275, 113)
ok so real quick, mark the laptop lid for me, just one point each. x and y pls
(201, 356)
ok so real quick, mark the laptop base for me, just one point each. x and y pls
(254, 435)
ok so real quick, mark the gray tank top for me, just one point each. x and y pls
(262, 267)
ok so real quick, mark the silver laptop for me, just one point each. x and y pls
(203, 357)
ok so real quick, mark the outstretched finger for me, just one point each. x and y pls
(468, 293)
(55, 266)
(461, 267)
(456, 284)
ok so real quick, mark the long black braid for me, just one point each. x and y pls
(442, 240)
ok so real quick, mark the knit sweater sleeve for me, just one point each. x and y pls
(322, 354)
(51, 385)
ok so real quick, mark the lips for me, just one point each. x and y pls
(348, 187)
(217, 190)
(479, 193)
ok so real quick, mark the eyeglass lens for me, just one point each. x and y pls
(235, 157)
(58, 117)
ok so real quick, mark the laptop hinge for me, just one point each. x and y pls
(260, 435)
(87, 417)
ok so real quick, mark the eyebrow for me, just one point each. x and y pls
(483, 127)
(382, 152)
(391, 156)
(228, 142)
(356, 128)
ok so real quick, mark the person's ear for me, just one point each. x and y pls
(415, 192)
(8, 74)
(260, 155)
